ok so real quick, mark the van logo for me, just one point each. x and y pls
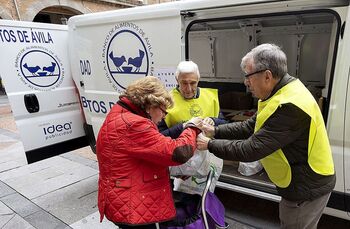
(39, 68)
(57, 130)
(127, 54)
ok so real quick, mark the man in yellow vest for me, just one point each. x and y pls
(192, 104)
(190, 101)
(287, 134)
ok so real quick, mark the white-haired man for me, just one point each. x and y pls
(190, 101)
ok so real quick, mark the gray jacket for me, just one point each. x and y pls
(286, 129)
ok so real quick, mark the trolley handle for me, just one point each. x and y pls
(205, 192)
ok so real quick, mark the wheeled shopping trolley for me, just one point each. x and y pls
(206, 212)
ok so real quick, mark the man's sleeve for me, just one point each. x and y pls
(220, 120)
(173, 132)
(284, 127)
(236, 130)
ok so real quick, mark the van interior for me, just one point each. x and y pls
(217, 46)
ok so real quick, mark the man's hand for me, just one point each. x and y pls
(202, 142)
(207, 129)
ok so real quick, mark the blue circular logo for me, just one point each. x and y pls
(40, 68)
(126, 58)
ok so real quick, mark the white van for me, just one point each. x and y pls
(108, 50)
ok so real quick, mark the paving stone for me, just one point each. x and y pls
(9, 218)
(5, 218)
(5, 210)
(21, 205)
(5, 145)
(5, 189)
(44, 220)
(11, 136)
(56, 173)
(55, 162)
(79, 159)
(17, 222)
(92, 222)
(79, 198)
(12, 157)
(4, 137)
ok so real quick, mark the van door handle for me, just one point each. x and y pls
(31, 102)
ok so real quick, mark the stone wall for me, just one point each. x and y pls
(157, 1)
(28, 9)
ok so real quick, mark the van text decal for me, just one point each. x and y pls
(9, 35)
(96, 106)
(127, 55)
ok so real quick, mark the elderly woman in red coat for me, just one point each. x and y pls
(134, 188)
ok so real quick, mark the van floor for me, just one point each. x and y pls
(231, 175)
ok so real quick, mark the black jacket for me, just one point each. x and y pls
(286, 129)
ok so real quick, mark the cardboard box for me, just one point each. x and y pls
(236, 101)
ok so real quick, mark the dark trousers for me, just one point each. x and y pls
(302, 214)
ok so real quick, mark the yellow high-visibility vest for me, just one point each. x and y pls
(206, 105)
(319, 151)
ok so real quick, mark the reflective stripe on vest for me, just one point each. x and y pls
(319, 152)
(206, 105)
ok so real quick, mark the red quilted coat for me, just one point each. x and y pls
(133, 158)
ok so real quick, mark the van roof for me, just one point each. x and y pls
(173, 8)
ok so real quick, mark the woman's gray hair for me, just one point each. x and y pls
(187, 67)
(148, 92)
(269, 57)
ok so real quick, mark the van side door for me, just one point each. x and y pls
(35, 70)
(110, 50)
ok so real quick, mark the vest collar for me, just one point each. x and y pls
(286, 79)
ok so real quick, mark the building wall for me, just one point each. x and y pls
(28, 9)
(156, 1)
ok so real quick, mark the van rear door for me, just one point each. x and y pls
(35, 70)
(110, 50)
(346, 72)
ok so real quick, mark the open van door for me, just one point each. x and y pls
(346, 72)
(35, 70)
(110, 50)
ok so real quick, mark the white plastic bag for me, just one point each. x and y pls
(197, 167)
(249, 168)
(194, 166)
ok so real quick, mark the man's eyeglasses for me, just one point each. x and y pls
(246, 76)
(164, 111)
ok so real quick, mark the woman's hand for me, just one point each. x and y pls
(202, 142)
(209, 121)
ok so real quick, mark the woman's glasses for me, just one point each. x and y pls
(164, 111)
